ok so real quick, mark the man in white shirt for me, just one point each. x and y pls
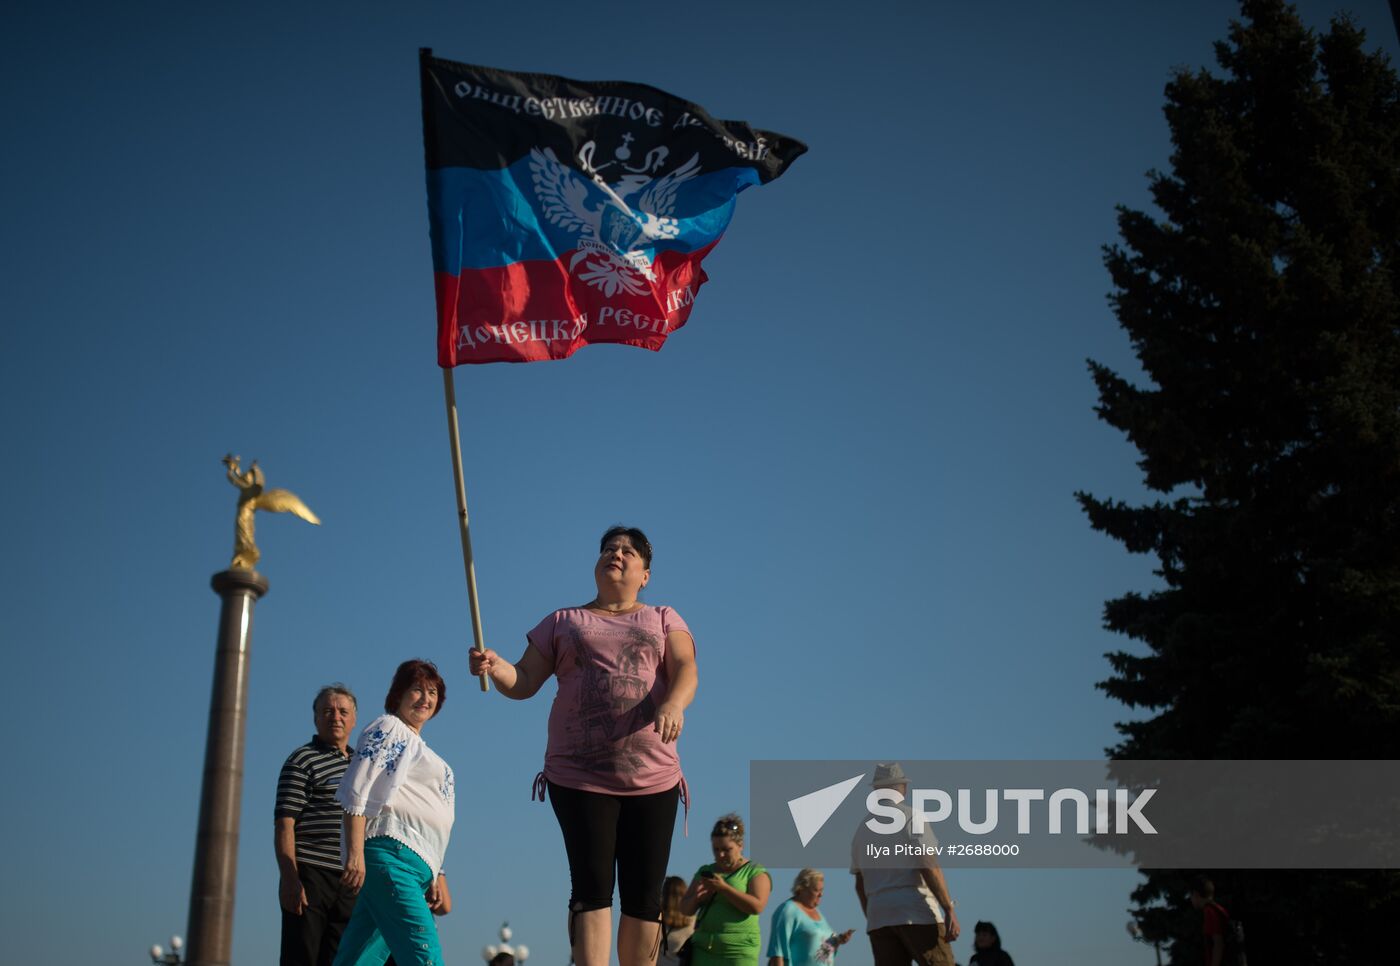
(908, 914)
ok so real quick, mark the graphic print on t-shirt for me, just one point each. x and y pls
(615, 707)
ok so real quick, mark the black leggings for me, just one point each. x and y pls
(631, 832)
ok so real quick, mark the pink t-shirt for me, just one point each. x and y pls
(612, 677)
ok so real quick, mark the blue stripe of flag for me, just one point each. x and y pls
(490, 219)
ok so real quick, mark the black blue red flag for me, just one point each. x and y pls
(570, 212)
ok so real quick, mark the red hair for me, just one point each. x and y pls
(411, 672)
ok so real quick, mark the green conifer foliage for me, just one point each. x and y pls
(1263, 303)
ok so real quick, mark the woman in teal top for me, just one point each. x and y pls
(726, 897)
(800, 934)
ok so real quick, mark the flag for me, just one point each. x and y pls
(565, 212)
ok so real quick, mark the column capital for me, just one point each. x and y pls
(232, 580)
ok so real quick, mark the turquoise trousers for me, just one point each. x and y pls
(391, 915)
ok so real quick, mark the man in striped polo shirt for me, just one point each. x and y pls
(315, 906)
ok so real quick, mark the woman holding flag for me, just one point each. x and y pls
(626, 672)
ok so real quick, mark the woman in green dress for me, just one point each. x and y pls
(727, 896)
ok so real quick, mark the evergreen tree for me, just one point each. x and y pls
(1264, 307)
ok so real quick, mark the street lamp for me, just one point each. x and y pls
(1135, 931)
(161, 958)
(519, 952)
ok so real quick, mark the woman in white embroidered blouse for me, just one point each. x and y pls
(398, 797)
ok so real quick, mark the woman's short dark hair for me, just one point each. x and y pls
(988, 928)
(410, 673)
(638, 538)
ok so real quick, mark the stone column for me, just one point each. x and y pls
(216, 843)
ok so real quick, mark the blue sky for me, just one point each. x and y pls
(856, 461)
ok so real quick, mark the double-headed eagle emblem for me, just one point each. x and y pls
(614, 234)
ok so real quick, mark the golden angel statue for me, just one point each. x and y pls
(253, 496)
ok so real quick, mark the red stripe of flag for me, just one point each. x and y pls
(512, 313)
